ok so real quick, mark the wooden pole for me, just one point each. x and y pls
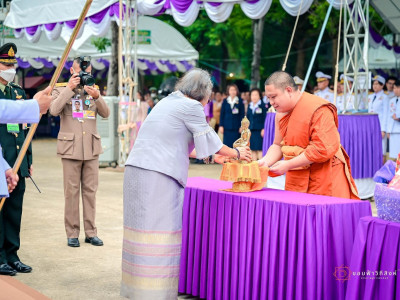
(53, 82)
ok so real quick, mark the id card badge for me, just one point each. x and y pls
(13, 128)
(77, 109)
(235, 111)
(258, 110)
(89, 114)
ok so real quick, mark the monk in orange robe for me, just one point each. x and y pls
(307, 137)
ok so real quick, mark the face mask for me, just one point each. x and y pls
(8, 75)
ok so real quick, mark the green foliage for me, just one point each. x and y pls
(229, 44)
(101, 43)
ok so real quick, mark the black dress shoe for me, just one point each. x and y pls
(95, 241)
(73, 242)
(20, 267)
(7, 270)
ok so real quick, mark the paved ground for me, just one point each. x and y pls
(87, 272)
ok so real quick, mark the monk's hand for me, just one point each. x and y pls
(280, 167)
(245, 153)
(262, 162)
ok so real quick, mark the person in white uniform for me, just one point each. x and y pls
(390, 86)
(299, 82)
(378, 103)
(323, 86)
(343, 103)
(393, 122)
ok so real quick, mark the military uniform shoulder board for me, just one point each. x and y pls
(61, 84)
(386, 92)
(370, 93)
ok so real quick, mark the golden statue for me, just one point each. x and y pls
(244, 140)
(245, 176)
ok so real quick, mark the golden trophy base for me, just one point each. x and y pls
(246, 177)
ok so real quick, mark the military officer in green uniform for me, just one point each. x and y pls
(12, 137)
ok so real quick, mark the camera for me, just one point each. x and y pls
(86, 78)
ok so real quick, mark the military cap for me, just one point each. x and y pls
(7, 53)
(322, 77)
(348, 78)
(298, 80)
(379, 78)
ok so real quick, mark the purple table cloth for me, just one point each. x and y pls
(360, 135)
(269, 244)
(375, 262)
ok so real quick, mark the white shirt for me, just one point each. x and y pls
(378, 103)
(233, 101)
(254, 107)
(393, 126)
(326, 94)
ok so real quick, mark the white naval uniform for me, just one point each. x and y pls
(378, 103)
(393, 127)
(389, 94)
(341, 105)
(326, 94)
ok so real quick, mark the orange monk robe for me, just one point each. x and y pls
(326, 153)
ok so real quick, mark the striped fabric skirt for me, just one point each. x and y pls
(152, 235)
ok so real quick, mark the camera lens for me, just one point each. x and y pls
(86, 78)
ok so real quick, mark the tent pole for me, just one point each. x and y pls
(317, 45)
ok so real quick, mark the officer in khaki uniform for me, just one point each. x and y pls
(12, 136)
(79, 147)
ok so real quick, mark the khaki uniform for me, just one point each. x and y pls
(79, 146)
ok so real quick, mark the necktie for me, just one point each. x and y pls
(374, 99)
(397, 99)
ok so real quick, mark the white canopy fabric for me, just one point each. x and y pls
(164, 47)
(389, 10)
(31, 18)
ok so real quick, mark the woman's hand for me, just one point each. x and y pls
(220, 159)
(383, 134)
(262, 132)
(221, 130)
(245, 153)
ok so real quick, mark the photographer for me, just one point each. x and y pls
(79, 147)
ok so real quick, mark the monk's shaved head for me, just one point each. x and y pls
(281, 80)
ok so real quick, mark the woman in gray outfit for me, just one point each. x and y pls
(155, 176)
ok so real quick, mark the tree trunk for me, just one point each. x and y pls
(301, 57)
(112, 80)
(258, 28)
(224, 67)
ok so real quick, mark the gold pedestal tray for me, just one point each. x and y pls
(246, 177)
